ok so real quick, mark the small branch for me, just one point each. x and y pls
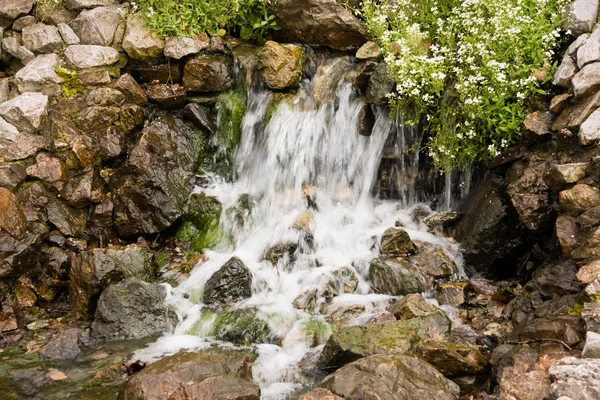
(542, 340)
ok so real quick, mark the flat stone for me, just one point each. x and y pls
(98, 26)
(139, 42)
(587, 81)
(411, 306)
(181, 46)
(64, 346)
(208, 73)
(561, 175)
(42, 38)
(452, 359)
(168, 97)
(68, 35)
(369, 51)
(11, 9)
(589, 131)
(39, 75)
(565, 72)
(559, 102)
(536, 126)
(90, 56)
(576, 114)
(11, 174)
(80, 4)
(27, 112)
(17, 146)
(589, 51)
(580, 16)
(573, 47)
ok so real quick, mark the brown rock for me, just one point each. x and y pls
(12, 219)
(567, 233)
(452, 359)
(396, 241)
(576, 114)
(536, 126)
(452, 293)
(208, 74)
(281, 65)
(589, 272)
(579, 199)
(561, 175)
(132, 91)
(411, 306)
(49, 169)
(320, 394)
(168, 97)
(558, 103)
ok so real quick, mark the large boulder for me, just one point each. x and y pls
(281, 65)
(42, 38)
(132, 309)
(392, 337)
(209, 374)
(27, 112)
(208, 73)
(98, 26)
(232, 282)
(39, 75)
(93, 270)
(153, 188)
(90, 56)
(319, 22)
(139, 42)
(391, 377)
(580, 16)
(589, 49)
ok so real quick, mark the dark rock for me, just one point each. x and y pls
(153, 188)
(530, 195)
(391, 377)
(83, 189)
(132, 309)
(318, 22)
(396, 241)
(208, 74)
(96, 118)
(241, 327)
(379, 85)
(65, 346)
(366, 118)
(232, 282)
(452, 293)
(206, 375)
(94, 270)
(149, 72)
(566, 328)
(201, 117)
(132, 91)
(105, 97)
(281, 251)
(12, 175)
(576, 114)
(168, 97)
(567, 233)
(395, 276)
(433, 261)
(452, 359)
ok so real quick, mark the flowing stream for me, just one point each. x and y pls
(309, 176)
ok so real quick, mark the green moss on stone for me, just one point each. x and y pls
(71, 85)
(242, 327)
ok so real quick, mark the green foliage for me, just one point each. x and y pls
(466, 70)
(248, 19)
(71, 85)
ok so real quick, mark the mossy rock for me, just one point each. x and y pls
(281, 65)
(201, 223)
(241, 327)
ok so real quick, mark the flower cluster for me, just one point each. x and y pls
(466, 69)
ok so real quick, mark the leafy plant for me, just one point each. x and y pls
(467, 70)
(248, 19)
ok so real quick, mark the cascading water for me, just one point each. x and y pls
(309, 175)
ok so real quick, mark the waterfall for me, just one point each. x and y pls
(307, 162)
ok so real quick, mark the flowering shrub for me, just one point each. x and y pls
(467, 70)
(249, 19)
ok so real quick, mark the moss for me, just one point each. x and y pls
(201, 224)
(576, 310)
(320, 330)
(231, 108)
(71, 85)
(204, 325)
(242, 327)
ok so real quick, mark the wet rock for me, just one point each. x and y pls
(396, 241)
(565, 72)
(140, 43)
(579, 199)
(98, 26)
(132, 309)
(441, 218)
(366, 118)
(369, 51)
(91, 56)
(104, 97)
(83, 189)
(587, 81)
(567, 233)
(568, 329)
(65, 346)
(132, 91)
(201, 117)
(343, 280)
(168, 97)
(393, 377)
(97, 118)
(42, 38)
(181, 46)
(93, 270)
(592, 345)
(392, 337)
(591, 316)
(281, 65)
(530, 196)
(395, 276)
(209, 374)
(433, 261)
(320, 394)
(537, 126)
(304, 222)
(281, 251)
(452, 359)
(12, 175)
(561, 175)
(153, 188)
(156, 70)
(452, 293)
(589, 49)
(576, 114)
(232, 282)
(27, 112)
(589, 132)
(411, 306)
(379, 85)
(11, 9)
(67, 34)
(328, 78)
(12, 218)
(241, 327)
(48, 169)
(580, 16)
(578, 379)
(80, 4)
(206, 73)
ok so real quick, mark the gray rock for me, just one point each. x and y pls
(573, 47)
(65, 346)
(587, 81)
(90, 56)
(39, 75)
(328, 77)
(17, 146)
(578, 379)
(181, 46)
(580, 16)
(369, 51)
(232, 282)
(395, 276)
(4, 89)
(391, 377)
(589, 131)
(591, 316)
(592, 345)
(80, 4)
(22, 22)
(11, 174)
(68, 35)
(139, 42)
(11, 46)
(202, 118)
(561, 175)
(98, 26)
(132, 309)
(26, 112)
(379, 85)
(565, 72)
(11, 9)
(589, 51)
(42, 38)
